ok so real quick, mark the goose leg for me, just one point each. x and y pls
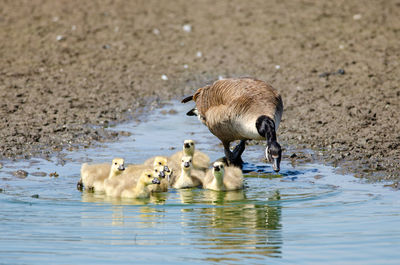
(234, 158)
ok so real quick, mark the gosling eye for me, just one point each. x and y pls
(149, 176)
(159, 163)
(191, 143)
(115, 163)
(156, 170)
(190, 160)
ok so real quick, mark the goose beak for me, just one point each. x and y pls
(121, 168)
(166, 168)
(276, 164)
(155, 181)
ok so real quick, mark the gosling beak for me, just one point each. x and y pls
(155, 181)
(216, 168)
(121, 168)
(166, 168)
(186, 164)
(276, 164)
(161, 174)
(187, 145)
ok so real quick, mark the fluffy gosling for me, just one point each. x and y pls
(186, 179)
(200, 160)
(222, 178)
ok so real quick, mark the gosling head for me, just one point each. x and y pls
(188, 147)
(161, 161)
(147, 177)
(218, 170)
(273, 153)
(186, 163)
(118, 165)
(159, 172)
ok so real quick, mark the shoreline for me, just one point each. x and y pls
(68, 74)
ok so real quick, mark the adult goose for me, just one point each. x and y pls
(240, 109)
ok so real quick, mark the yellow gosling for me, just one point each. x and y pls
(117, 167)
(185, 179)
(140, 189)
(93, 173)
(200, 160)
(222, 178)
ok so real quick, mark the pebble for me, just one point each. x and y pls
(187, 28)
(60, 37)
(199, 54)
(54, 174)
(20, 173)
(277, 67)
(357, 16)
(156, 31)
(164, 77)
(35, 196)
(39, 174)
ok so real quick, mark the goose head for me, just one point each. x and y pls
(218, 170)
(188, 147)
(161, 161)
(186, 163)
(117, 166)
(147, 177)
(273, 153)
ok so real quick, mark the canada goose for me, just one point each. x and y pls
(135, 188)
(240, 109)
(223, 178)
(186, 178)
(200, 160)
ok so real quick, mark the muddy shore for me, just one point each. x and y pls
(69, 69)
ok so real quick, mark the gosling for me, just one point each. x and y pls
(93, 176)
(221, 178)
(186, 179)
(200, 160)
(140, 189)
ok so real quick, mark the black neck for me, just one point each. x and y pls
(266, 128)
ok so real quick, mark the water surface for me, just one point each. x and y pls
(306, 215)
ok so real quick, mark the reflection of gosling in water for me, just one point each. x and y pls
(200, 160)
(93, 176)
(186, 179)
(223, 178)
(140, 188)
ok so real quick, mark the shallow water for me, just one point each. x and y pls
(306, 215)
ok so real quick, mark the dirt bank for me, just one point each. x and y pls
(70, 68)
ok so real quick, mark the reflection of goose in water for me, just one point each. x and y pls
(245, 227)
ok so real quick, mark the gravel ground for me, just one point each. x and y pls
(71, 68)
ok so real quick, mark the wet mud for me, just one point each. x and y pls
(70, 69)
